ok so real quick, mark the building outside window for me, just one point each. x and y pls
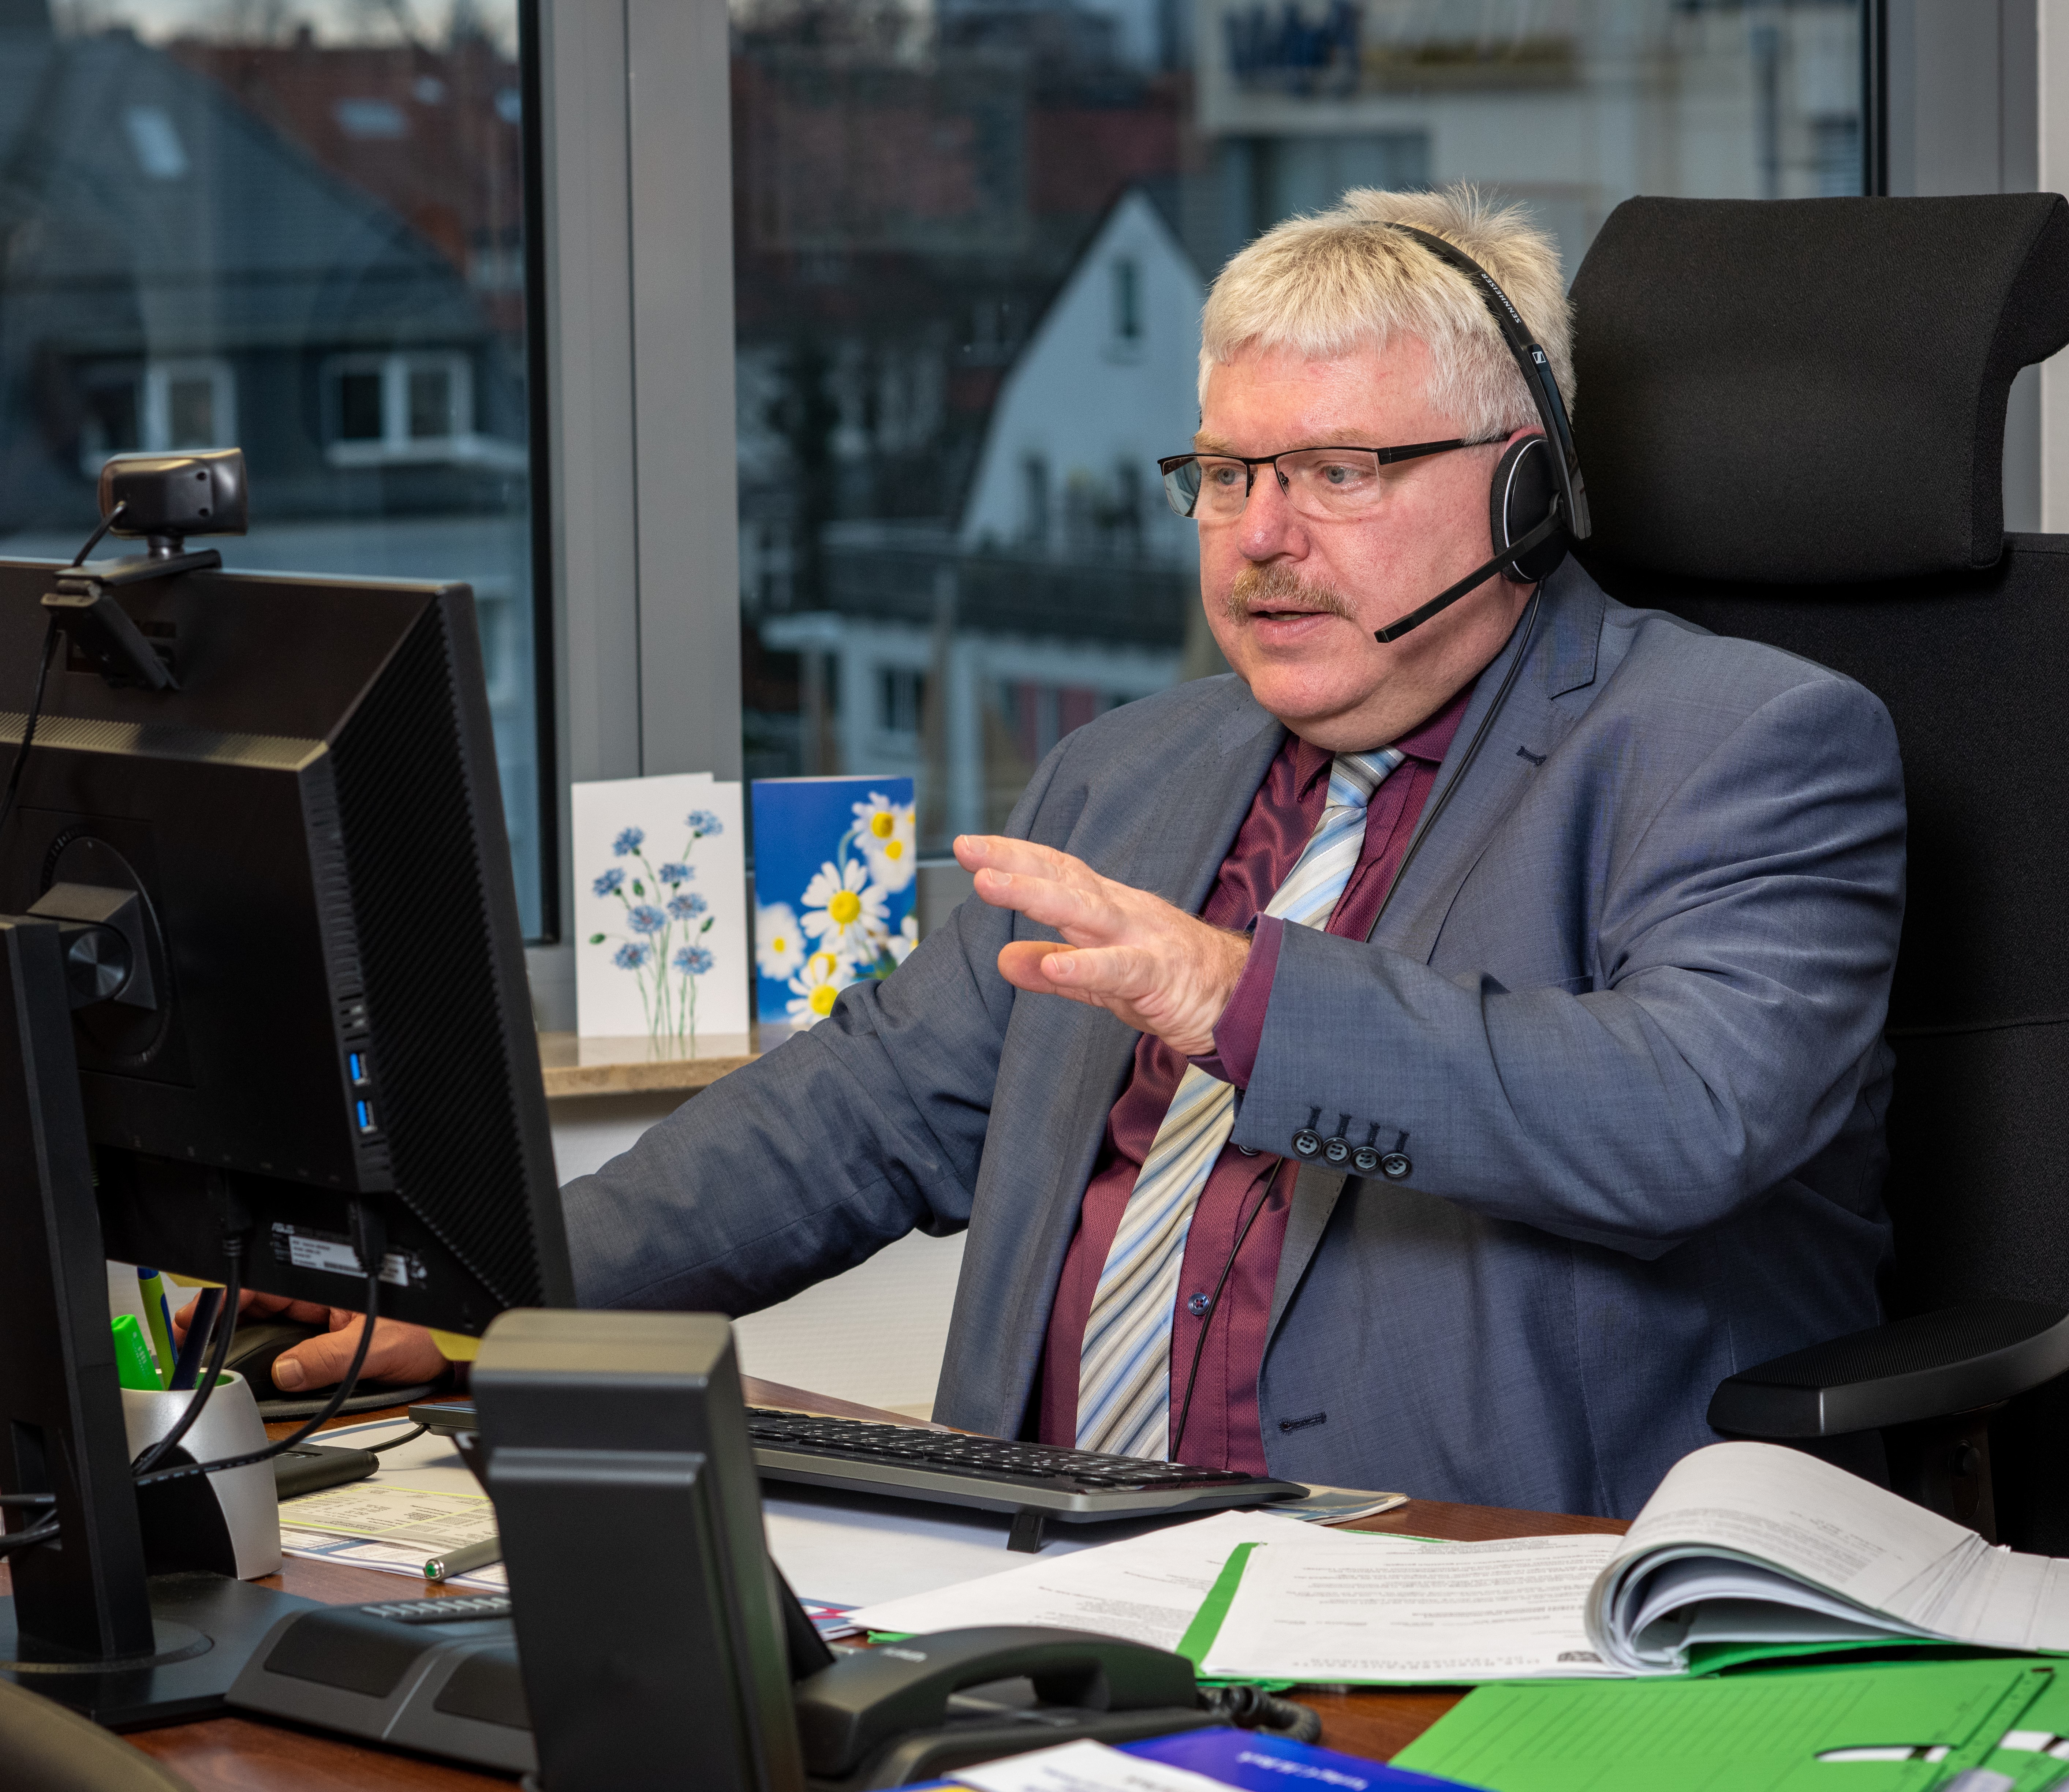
(299, 228)
(177, 403)
(407, 409)
(972, 239)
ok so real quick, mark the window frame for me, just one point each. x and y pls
(636, 549)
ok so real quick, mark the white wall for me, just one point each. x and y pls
(876, 1334)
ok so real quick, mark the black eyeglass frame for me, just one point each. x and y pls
(1169, 465)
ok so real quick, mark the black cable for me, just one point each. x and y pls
(93, 541)
(370, 1243)
(218, 1353)
(281, 1445)
(396, 1443)
(12, 1541)
(1213, 1307)
(1528, 626)
(29, 727)
(51, 633)
(26, 1499)
(1252, 1707)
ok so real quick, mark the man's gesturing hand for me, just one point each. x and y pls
(1162, 971)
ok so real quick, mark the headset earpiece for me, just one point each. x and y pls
(1523, 493)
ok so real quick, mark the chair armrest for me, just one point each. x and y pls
(1937, 1364)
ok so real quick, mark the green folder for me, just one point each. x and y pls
(1748, 1733)
(2031, 1762)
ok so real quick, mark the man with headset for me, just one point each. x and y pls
(1433, 1057)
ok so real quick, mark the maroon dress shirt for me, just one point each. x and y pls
(1244, 1188)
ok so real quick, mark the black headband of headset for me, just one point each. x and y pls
(1537, 368)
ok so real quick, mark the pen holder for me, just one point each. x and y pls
(227, 1523)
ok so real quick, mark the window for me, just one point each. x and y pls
(178, 404)
(1127, 303)
(415, 409)
(901, 696)
(971, 245)
(299, 228)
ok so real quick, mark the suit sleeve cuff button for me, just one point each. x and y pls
(1307, 1143)
(1395, 1166)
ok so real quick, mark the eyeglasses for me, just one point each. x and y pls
(1326, 483)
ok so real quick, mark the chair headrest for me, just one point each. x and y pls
(1809, 391)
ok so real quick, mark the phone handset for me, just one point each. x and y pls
(868, 1698)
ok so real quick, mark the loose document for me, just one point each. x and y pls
(1746, 1549)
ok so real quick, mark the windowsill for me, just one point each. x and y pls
(573, 1065)
(488, 452)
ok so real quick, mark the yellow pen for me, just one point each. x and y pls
(157, 1316)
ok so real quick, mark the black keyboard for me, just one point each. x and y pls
(1034, 1481)
(996, 1474)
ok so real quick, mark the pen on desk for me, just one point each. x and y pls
(208, 1304)
(157, 1317)
(465, 1559)
(133, 1366)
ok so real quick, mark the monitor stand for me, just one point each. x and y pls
(86, 1626)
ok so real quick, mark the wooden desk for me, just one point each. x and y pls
(242, 1754)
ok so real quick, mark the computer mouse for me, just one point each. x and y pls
(255, 1346)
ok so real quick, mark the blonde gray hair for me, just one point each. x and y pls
(1323, 285)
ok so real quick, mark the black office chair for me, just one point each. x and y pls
(1791, 417)
(45, 1747)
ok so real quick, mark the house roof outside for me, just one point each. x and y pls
(151, 209)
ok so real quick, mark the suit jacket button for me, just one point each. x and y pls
(1395, 1165)
(1247, 1150)
(1307, 1143)
(1364, 1160)
(1336, 1150)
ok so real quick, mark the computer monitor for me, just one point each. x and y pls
(337, 1003)
(297, 844)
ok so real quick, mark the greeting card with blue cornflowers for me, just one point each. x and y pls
(660, 911)
(835, 865)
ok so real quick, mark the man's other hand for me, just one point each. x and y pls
(1162, 971)
(399, 1353)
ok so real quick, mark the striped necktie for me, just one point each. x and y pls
(1124, 1363)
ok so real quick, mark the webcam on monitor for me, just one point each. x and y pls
(166, 497)
(163, 499)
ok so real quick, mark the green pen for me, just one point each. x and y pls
(133, 1366)
(158, 1316)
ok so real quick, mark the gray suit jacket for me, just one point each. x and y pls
(1625, 1001)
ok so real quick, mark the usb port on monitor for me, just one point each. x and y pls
(355, 1063)
(366, 1116)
